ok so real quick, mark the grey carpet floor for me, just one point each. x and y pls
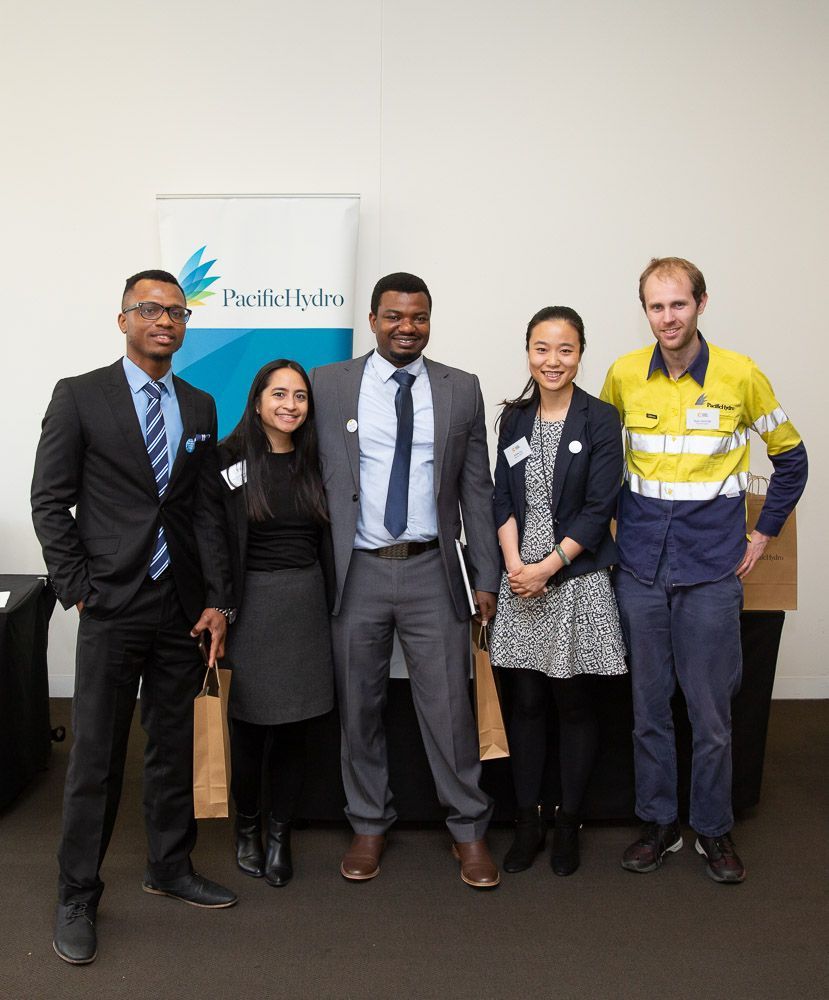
(418, 931)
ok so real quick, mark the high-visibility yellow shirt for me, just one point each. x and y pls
(687, 460)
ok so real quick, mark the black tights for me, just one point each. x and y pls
(283, 757)
(578, 736)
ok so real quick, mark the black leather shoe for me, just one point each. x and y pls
(75, 940)
(565, 857)
(279, 867)
(646, 854)
(724, 863)
(530, 835)
(250, 856)
(194, 889)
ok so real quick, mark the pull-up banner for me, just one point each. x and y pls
(266, 277)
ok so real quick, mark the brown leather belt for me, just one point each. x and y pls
(403, 550)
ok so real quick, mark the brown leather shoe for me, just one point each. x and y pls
(477, 867)
(362, 860)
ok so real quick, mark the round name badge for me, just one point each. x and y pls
(190, 445)
(575, 447)
(351, 426)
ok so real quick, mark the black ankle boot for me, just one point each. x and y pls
(279, 868)
(530, 834)
(250, 856)
(565, 857)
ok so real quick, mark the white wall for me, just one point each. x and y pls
(515, 154)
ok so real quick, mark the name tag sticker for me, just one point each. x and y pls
(702, 419)
(517, 451)
(235, 475)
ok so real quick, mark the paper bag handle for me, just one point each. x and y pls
(758, 485)
(212, 674)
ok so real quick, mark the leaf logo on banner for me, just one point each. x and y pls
(194, 280)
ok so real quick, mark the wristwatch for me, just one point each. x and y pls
(229, 613)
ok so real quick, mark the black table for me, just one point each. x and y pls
(610, 794)
(25, 734)
(25, 730)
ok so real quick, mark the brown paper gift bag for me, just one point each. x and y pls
(492, 736)
(211, 746)
(772, 584)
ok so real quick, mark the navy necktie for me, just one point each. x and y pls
(156, 438)
(397, 499)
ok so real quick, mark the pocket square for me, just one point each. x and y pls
(191, 442)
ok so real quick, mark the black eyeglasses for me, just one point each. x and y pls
(152, 310)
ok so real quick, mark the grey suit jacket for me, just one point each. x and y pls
(463, 485)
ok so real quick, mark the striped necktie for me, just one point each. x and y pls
(156, 438)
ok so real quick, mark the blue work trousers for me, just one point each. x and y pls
(689, 635)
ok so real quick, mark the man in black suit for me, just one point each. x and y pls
(144, 559)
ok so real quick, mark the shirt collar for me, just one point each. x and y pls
(138, 378)
(385, 369)
(697, 368)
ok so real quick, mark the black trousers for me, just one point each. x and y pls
(149, 641)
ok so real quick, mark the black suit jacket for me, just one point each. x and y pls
(236, 519)
(92, 456)
(586, 482)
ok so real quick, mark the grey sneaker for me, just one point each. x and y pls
(646, 854)
(724, 863)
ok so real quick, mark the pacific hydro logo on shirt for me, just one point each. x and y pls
(702, 401)
(195, 279)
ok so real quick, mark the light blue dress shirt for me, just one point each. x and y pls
(137, 379)
(377, 428)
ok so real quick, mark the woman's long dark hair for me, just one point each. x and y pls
(531, 394)
(248, 442)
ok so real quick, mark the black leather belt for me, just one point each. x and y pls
(403, 550)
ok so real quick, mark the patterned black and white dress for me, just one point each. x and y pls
(574, 627)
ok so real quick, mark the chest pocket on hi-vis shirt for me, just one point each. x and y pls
(639, 427)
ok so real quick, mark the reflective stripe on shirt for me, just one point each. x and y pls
(659, 490)
(677, 444)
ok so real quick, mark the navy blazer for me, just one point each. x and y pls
(586, 482)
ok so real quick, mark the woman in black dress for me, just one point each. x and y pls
(279, 647)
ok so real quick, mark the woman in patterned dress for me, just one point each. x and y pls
(558, 472)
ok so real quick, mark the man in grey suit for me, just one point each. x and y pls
(404, 458)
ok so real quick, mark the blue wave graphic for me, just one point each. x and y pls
(223, 362)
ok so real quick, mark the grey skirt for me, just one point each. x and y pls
(279, 648)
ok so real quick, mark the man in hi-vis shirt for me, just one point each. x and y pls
(687, 408)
